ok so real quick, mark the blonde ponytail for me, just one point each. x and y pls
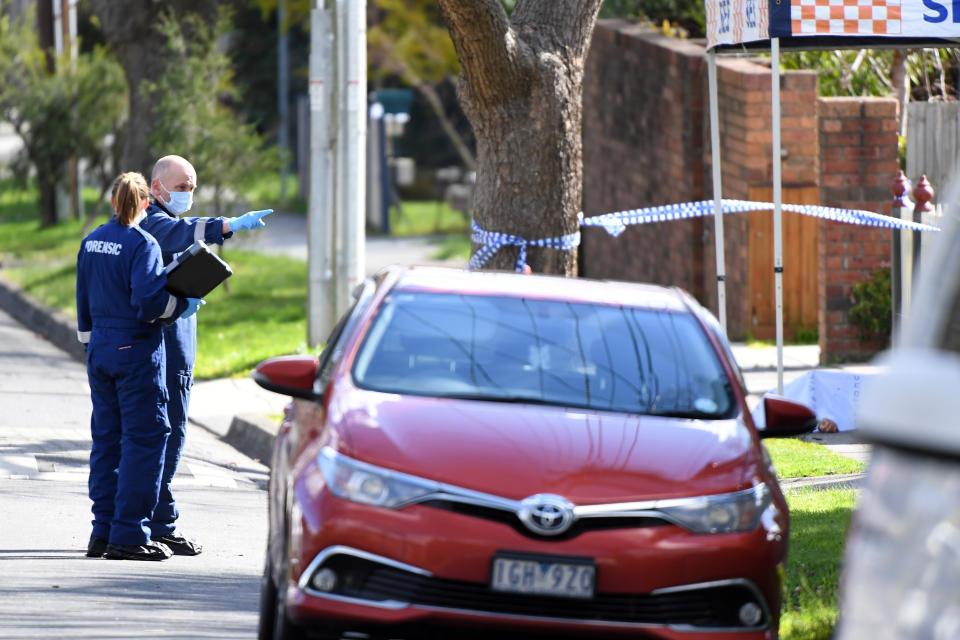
(129, 193)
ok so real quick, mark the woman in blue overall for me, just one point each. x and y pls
(121, 309)
(171, 188)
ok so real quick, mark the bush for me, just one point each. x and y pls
(871, 309)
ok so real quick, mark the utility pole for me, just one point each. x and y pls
(65, 39)
(321, 228)
(351, 147)
(283, 91)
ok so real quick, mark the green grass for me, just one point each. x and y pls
(452, 246)
(16, 203)
(259, 314)
(793, 458)
(423, 217)
(264, 193)
(818, 526)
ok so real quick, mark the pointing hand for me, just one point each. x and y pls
(249, 220)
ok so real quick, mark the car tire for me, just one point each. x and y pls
(268, 602)
(283, 627)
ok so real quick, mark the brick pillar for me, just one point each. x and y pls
(858, 145)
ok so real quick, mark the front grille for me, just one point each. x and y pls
(580, 526)
(710, 606)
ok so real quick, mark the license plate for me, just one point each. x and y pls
(564, 577)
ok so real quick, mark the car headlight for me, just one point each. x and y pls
(724, 513)
(361, 482)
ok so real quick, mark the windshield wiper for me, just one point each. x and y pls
(692, 414)
(517, 399)
(493, 397)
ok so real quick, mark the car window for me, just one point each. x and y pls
(527, 350)
(335, 343)
(714, 324)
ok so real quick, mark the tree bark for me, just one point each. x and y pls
(901, 83)
(46, 187)
(48, 201)
(130, 29)
(521, 87)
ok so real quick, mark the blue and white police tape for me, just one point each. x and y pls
(493, 241)
(615, 223)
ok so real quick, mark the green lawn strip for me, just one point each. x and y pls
(818, 527)
(424, 217)
(259, 314)
(455, 245)
(266, 193)
(793, 458)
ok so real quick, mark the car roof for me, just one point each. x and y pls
(545, 287)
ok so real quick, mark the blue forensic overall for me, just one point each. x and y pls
(175, 235)
(121, 308)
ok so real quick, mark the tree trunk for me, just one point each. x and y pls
(130, 29)
(901, 84)
(48, 201)
(47, 188)
(521, 88)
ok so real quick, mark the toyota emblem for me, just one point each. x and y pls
(546, 514)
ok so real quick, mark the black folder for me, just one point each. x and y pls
(196, 272)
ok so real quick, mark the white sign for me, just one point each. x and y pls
(742, 21)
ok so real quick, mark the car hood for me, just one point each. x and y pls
(517, 450)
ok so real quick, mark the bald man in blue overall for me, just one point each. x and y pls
(171, 195)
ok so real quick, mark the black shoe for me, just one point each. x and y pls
(150, 551)
(180, 545)
(96, 547)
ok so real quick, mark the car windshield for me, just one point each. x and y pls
(511, 349)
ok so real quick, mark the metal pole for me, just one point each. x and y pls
(353, 127)
(777, 203)
(894, 279)
(897, 210)
(58, 29)
(717, 189)
(321, 236)
(283, 91)
(64, 40)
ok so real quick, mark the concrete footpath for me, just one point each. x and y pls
(246, 416)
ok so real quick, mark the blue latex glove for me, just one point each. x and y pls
(194, 304)
(249, 220)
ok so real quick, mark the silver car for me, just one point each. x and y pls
(902, 567)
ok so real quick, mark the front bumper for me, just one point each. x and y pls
(423, 564)
(389, 590)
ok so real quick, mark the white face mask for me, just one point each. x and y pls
(180, 201)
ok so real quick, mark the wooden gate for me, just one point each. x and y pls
(800, 266)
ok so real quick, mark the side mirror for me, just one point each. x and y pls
(289, 375)
(786, 418)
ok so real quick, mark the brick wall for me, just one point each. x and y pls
(858, 140)
(643, 145)
(646, 142)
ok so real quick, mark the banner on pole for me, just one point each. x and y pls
(732, 22)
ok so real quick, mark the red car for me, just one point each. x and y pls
(480, 452)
